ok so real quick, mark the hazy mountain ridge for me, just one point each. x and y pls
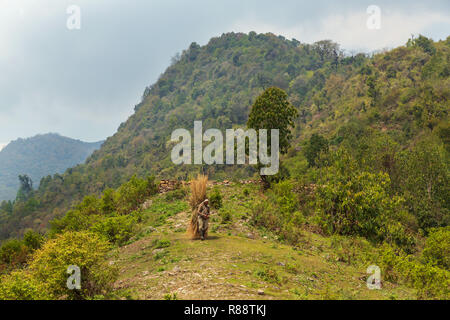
(37, 157)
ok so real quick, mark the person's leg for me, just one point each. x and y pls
(205, 227)
(202, 228)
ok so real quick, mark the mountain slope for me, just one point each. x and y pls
(37, 157)
(403, 93)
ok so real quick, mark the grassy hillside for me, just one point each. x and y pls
(39, 157)
(364, 182)
(151, 257)
(239, 261)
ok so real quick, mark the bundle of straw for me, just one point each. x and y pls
(198, 195)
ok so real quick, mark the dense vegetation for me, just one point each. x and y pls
(36, 266)
(38, 157)
(368, 158)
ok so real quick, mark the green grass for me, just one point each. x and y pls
(229, 265)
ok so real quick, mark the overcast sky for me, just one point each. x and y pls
(84, 83)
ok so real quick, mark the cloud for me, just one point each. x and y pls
(2, 145)
(84, 83)
(351, 32)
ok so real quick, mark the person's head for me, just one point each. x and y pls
(206, 201)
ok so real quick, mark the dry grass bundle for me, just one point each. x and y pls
(198, 191)
(198, 195)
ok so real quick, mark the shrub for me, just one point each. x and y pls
(437, 248)
(20, 285)
(314, 147)
(225, 216)
(430, 281)
(215, 199)
(262, 215)
(358, 204)
(117, 230)
(108, 204)
(33, 240)
(284, 196)
(74, 220)
(89, 206)
(83, 249)
(291, 231)
(423, 176)
(13, 252)
(133, 193)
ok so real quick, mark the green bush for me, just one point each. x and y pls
(430, 281)
(357, 203)
(108, 204)
(280, 212)
(133, 193)
(20, 285)
(215, 199)
(176, 194)
(437, 248)
(264, 215)
(13, 252)
(315, 146)
(90, 205)
(284, 196)
(83, 249)
(73, 220)
(33, 240)
(117, 230)
(225, 216)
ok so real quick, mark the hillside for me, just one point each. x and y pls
(377, 107)
(239, 261)
(38, 157)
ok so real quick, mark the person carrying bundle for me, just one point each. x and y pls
(200, 221)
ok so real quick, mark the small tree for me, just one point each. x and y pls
(26, 188)
(314, 147)
(272, 110)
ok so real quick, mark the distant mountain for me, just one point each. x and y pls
(38, 157)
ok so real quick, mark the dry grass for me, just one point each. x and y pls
(198, 195)
(198, 191)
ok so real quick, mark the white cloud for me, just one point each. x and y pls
(2, 145)
(351, 32)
